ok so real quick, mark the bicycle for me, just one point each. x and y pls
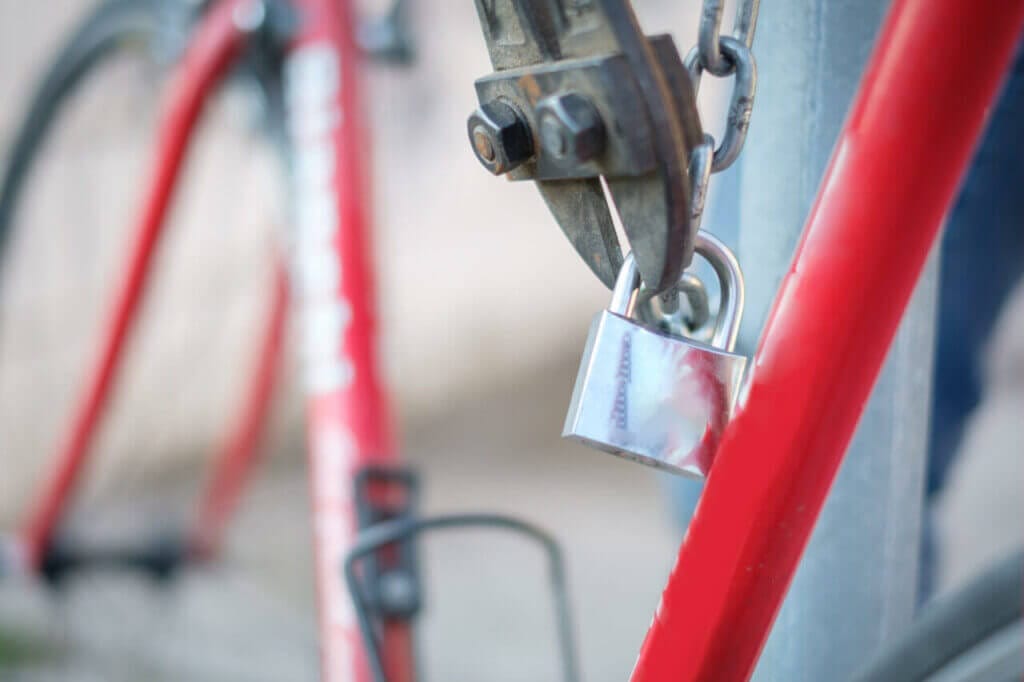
(307, 62)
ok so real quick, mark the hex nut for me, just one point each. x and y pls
(571, 130)
(500, 137)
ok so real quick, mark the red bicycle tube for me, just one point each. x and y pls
(237, 455)
(349, 417)
(918, 115)
(210, 53)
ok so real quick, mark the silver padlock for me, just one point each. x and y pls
(660, 399)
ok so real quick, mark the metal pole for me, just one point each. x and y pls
(856, 584)
(862, 253)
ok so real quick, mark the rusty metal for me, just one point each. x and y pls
(608, 88)
(571, 129)
(600, 99)
(500, 137)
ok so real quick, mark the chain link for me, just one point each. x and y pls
(723, 56)
(712, 57)
(701, 163)
(741, 103)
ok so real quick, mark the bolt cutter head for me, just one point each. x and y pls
(595, 98)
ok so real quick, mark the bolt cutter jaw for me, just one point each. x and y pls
(596, 98)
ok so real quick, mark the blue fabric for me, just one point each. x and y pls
(982, 260)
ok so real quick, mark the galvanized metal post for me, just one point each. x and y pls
(856, 585)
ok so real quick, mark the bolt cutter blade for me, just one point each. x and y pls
(581, 210)
(657, 241)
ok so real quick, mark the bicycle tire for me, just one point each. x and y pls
(954, 626)
(110, 27)
(149, 28)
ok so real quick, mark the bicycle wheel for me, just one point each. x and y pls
(106, 77)
(974, 635)
(50, 226)
(69, 190)
(113, 26)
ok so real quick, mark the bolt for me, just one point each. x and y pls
(500, 137)
(250, 17)
(571, 130)
(553, 136)
(397, 592)
(483, 145)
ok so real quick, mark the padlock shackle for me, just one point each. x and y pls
(730, 280)
(627, 286)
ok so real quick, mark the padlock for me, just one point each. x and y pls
(660, 399)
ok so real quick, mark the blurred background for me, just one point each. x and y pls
(481, 369)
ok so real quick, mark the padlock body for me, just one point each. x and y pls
(658, 399)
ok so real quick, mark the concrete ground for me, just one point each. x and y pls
(251, 617)
(488, 610)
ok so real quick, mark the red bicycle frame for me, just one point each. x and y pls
(918, 115)
(349, 417)
(213, 50)
(914, 124)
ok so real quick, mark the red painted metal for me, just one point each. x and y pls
(349, 416)
(919, 113)
(237, 456)
(216, 43)
(350, 423)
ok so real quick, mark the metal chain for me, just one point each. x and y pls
(711, 55)
(723, 56)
